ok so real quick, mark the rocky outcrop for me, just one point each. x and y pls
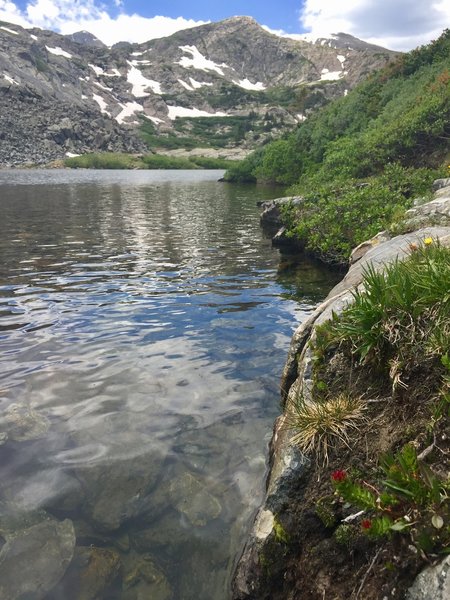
(71, 94)
(264, 568)
(432, 583)
(271, 210)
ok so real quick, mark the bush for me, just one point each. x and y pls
(337, 216)
(106, 160)
(159, 161)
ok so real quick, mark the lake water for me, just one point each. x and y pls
(144, 323)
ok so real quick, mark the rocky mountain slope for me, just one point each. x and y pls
(71, 94)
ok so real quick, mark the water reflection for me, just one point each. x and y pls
(143, 328)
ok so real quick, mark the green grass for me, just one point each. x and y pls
(158, 161)
(401, 317)
(109, 160)
(106, 160)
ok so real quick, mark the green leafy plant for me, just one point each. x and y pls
(408, 498)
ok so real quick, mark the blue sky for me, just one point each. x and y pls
(277, 15)
(395, 24)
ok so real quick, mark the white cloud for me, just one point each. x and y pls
(66, 16)
(396, 24)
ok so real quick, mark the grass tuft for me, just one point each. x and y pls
(401, 317)
(322, 425)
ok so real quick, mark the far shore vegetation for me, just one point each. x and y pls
(116, 160)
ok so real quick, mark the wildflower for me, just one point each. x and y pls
(366, 524)
(338, 476)
(427, 241)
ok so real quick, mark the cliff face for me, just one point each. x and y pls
(62, 94)
(294, 550)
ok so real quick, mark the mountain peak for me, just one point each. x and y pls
(246, 20)
(86, 38)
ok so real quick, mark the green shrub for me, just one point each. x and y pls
(106, 160)
(159, 161)
(338, 215)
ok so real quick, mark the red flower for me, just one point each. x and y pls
(366, 523)
(338, 476)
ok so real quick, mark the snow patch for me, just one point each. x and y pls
(101, 103)
(9, 30)
(198, 61)
(330, 75)
(185, 85)
(72, 155)
(97, 70)
(115, 73)
(137, 53)
(155, 120)
(10, 79)
(103, 87)
(83, 97)
(181, 111)
(345, 92)
(33, 37)
(58, 52)
(341, 59)
(141, 83)
(248, 85)
(198, 84)
(136, 63)
(301, 117)
(128, 109)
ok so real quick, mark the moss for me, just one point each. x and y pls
(325, 511)
(281, 535)
(345, 535)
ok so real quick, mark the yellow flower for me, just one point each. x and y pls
(428, 241)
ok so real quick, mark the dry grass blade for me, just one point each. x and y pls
(320, 425)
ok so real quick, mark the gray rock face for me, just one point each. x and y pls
(436, 212)
(71, 94)
(271, 210)
(35, 558)
(432, 584)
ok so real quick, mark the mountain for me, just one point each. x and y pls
(224, 85)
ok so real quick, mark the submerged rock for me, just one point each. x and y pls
(119, 491)
(22, 423)
(144, 580)
(168, 532)
(91, 573)
(34, 558)
(189, 496)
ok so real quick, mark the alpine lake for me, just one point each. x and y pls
(144, 322)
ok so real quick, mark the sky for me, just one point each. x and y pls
(394, 24)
